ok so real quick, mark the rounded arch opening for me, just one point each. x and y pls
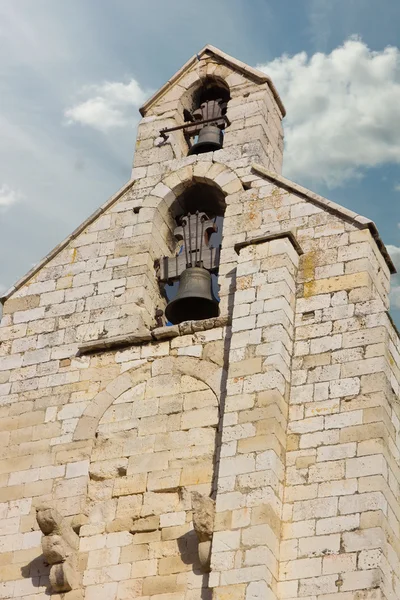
(199, 199)
(205, 185)
(205, 105)
(209, 88)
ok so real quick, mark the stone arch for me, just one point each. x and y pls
(164, 197)
(189, 98)
(184, 365)
(173, 94)
(215, 174)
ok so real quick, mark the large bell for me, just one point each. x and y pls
(210, 139)
(195, 299)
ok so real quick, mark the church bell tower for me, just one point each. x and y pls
(199, 386)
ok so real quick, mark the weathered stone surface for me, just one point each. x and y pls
(205, 554)
(55, 549)
(49, 520)
(203, 516)
(284, 408)
(161, 333)
(59, 544)
(78, 521)
(214, 351)
(63, 577)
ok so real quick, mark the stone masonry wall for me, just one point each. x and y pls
(288, 416)
(255, 128)
(129, 479)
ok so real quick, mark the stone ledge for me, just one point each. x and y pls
(154, 335)
(268, 238)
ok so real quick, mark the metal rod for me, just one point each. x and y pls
(193, 124)
(197, 234)
(183, 221)
(202, 239)
(190, 240)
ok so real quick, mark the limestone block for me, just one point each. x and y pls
(164, 480)
(208, 416)
(108, 469)
(78, 522)
(126, 486)
(334, 284)
(119, 524)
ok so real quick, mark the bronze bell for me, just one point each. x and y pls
(210, 139)
(195, 299)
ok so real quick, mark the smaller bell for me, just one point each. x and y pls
(195, 299)
(210, 139)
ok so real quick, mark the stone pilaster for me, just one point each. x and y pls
(245, 551)
(340, 536)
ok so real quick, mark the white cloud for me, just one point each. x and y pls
(397, 187)
(108, 106)
(8, 196)
(343, 111)
(394, 252)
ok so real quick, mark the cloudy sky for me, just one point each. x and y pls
(73, 74)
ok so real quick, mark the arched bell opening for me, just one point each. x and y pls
(202, 197)
(188, 278)
(206, 107)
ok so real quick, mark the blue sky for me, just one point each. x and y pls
(74, 73)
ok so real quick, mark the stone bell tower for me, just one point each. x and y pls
(199, 386)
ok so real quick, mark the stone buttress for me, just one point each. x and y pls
(253, 455)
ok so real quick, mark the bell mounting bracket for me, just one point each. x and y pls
(193, 248)
(193, 127)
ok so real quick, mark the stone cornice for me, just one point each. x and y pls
(268, 238)
(154, 335)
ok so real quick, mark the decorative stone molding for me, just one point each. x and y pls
(160, 333)
(60, 546)
(118, 341)
(269, 237)
(203, 524)
(164, 196)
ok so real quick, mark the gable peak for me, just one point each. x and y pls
(235, 64)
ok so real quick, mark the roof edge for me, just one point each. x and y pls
(65, 242)
(346, 214)
(234, 62)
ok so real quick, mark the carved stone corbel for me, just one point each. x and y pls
(203, 524)
(60, 546)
